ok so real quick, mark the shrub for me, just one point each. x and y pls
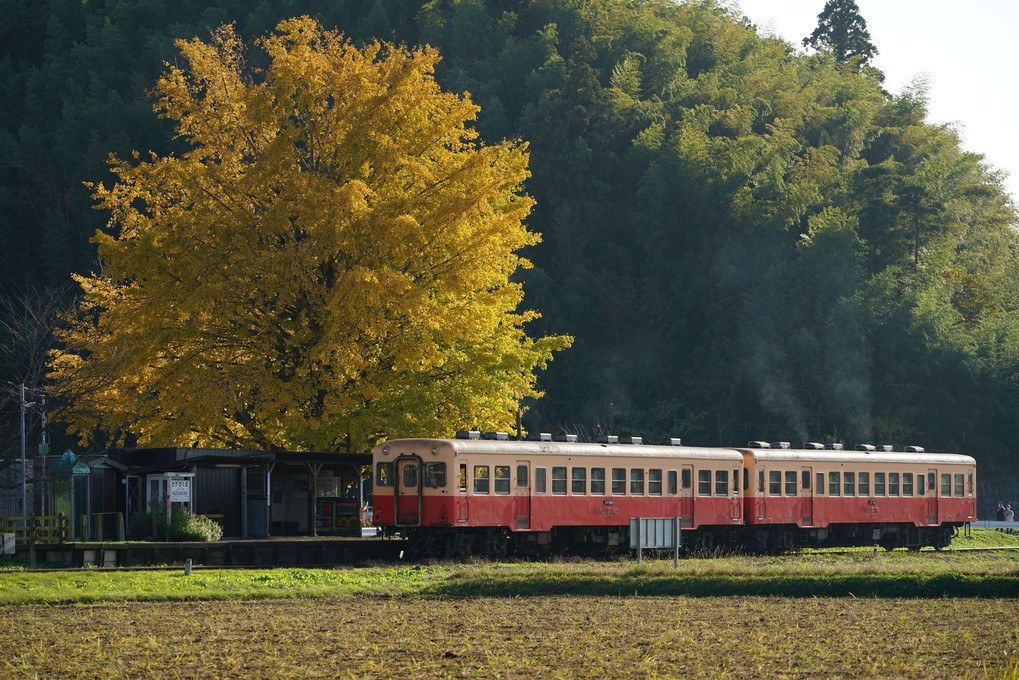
(139, 527)
(187, 527)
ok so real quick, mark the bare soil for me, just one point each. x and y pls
(514, 637)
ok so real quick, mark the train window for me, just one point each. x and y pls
(539, 480)
(463, 477)
(618, 481)
(946, 485)
(805, 480)
(820, 484)
(598, 481)
(960, 488)
(636, 482)
(579, 487)
(863, 480)
(735, 482)
(833, 483)
(559, 481)
(721, 482)
(704, 482)
(920, 491)
(848, 483)
(384, 474)
(410, 476)
(502, 479)
(522, 477)
(435, 475)
(746, 479)
(774, 483)
(687, 478)
(907, 483)
(893, 483)
(673, 483)
(760, 481)
(480, 479)
(654, 482)
(790, 482)
(879, 484)
(931, 481)
(971, 484)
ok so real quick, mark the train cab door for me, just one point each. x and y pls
(735, 500)
(761, 503)
(408, 490)
(686, 496)
(463, 514)
(806, 497)
(932, 496)
(522, 495)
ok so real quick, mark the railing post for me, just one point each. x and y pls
(31, 541)
(63, 531)
(120, 527)
(83, 527)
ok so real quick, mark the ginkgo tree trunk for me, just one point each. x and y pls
(328, 264)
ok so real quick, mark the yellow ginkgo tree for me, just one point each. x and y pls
(329, 263)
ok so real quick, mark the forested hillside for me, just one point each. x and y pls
(745, 241)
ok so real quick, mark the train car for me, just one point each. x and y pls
(817, 496)
(493, 496)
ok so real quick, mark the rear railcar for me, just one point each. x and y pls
(460, 496)
(825, 497)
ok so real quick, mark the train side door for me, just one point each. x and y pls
(408, 491)
(932, 496)
(462, 499)
(686, 495)
(806, 497)
(522, 495)
(735, 501)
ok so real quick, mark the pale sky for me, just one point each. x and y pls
(965, 49)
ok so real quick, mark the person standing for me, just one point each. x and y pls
(1009, 515)
(1000, 513)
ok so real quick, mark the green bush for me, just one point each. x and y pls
(139, 527)
(187, 527)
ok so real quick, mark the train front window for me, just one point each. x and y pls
(559, 481)
(435, 475)
(502, 480)
(481, 479)
(410, 476)
(960, 486)
(597, 481)
(636, 482)
(618, 481)
(864, 483)
(384, 474)
(790, 483)
(579, 481)
(704, 482)
(907, 483)
(539, 480)
(654, 482)
(848, 483)
(893, 483)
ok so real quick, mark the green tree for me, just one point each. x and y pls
(328, 264)
(842, 29)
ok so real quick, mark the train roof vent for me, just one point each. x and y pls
(539, 436)
(914, 449)
(834, 446)
(869, 448)
(815, 446)
(780, 445)
(572, 438)
(632, 440)
(607, 439)
(887, 448)
(673, 441)
(468, 434)
(500, 436)
(759, 445)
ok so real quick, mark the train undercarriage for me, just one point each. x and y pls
(458, 543)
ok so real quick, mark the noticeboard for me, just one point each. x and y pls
(180, 489)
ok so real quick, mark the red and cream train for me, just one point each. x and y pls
(492, 495)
